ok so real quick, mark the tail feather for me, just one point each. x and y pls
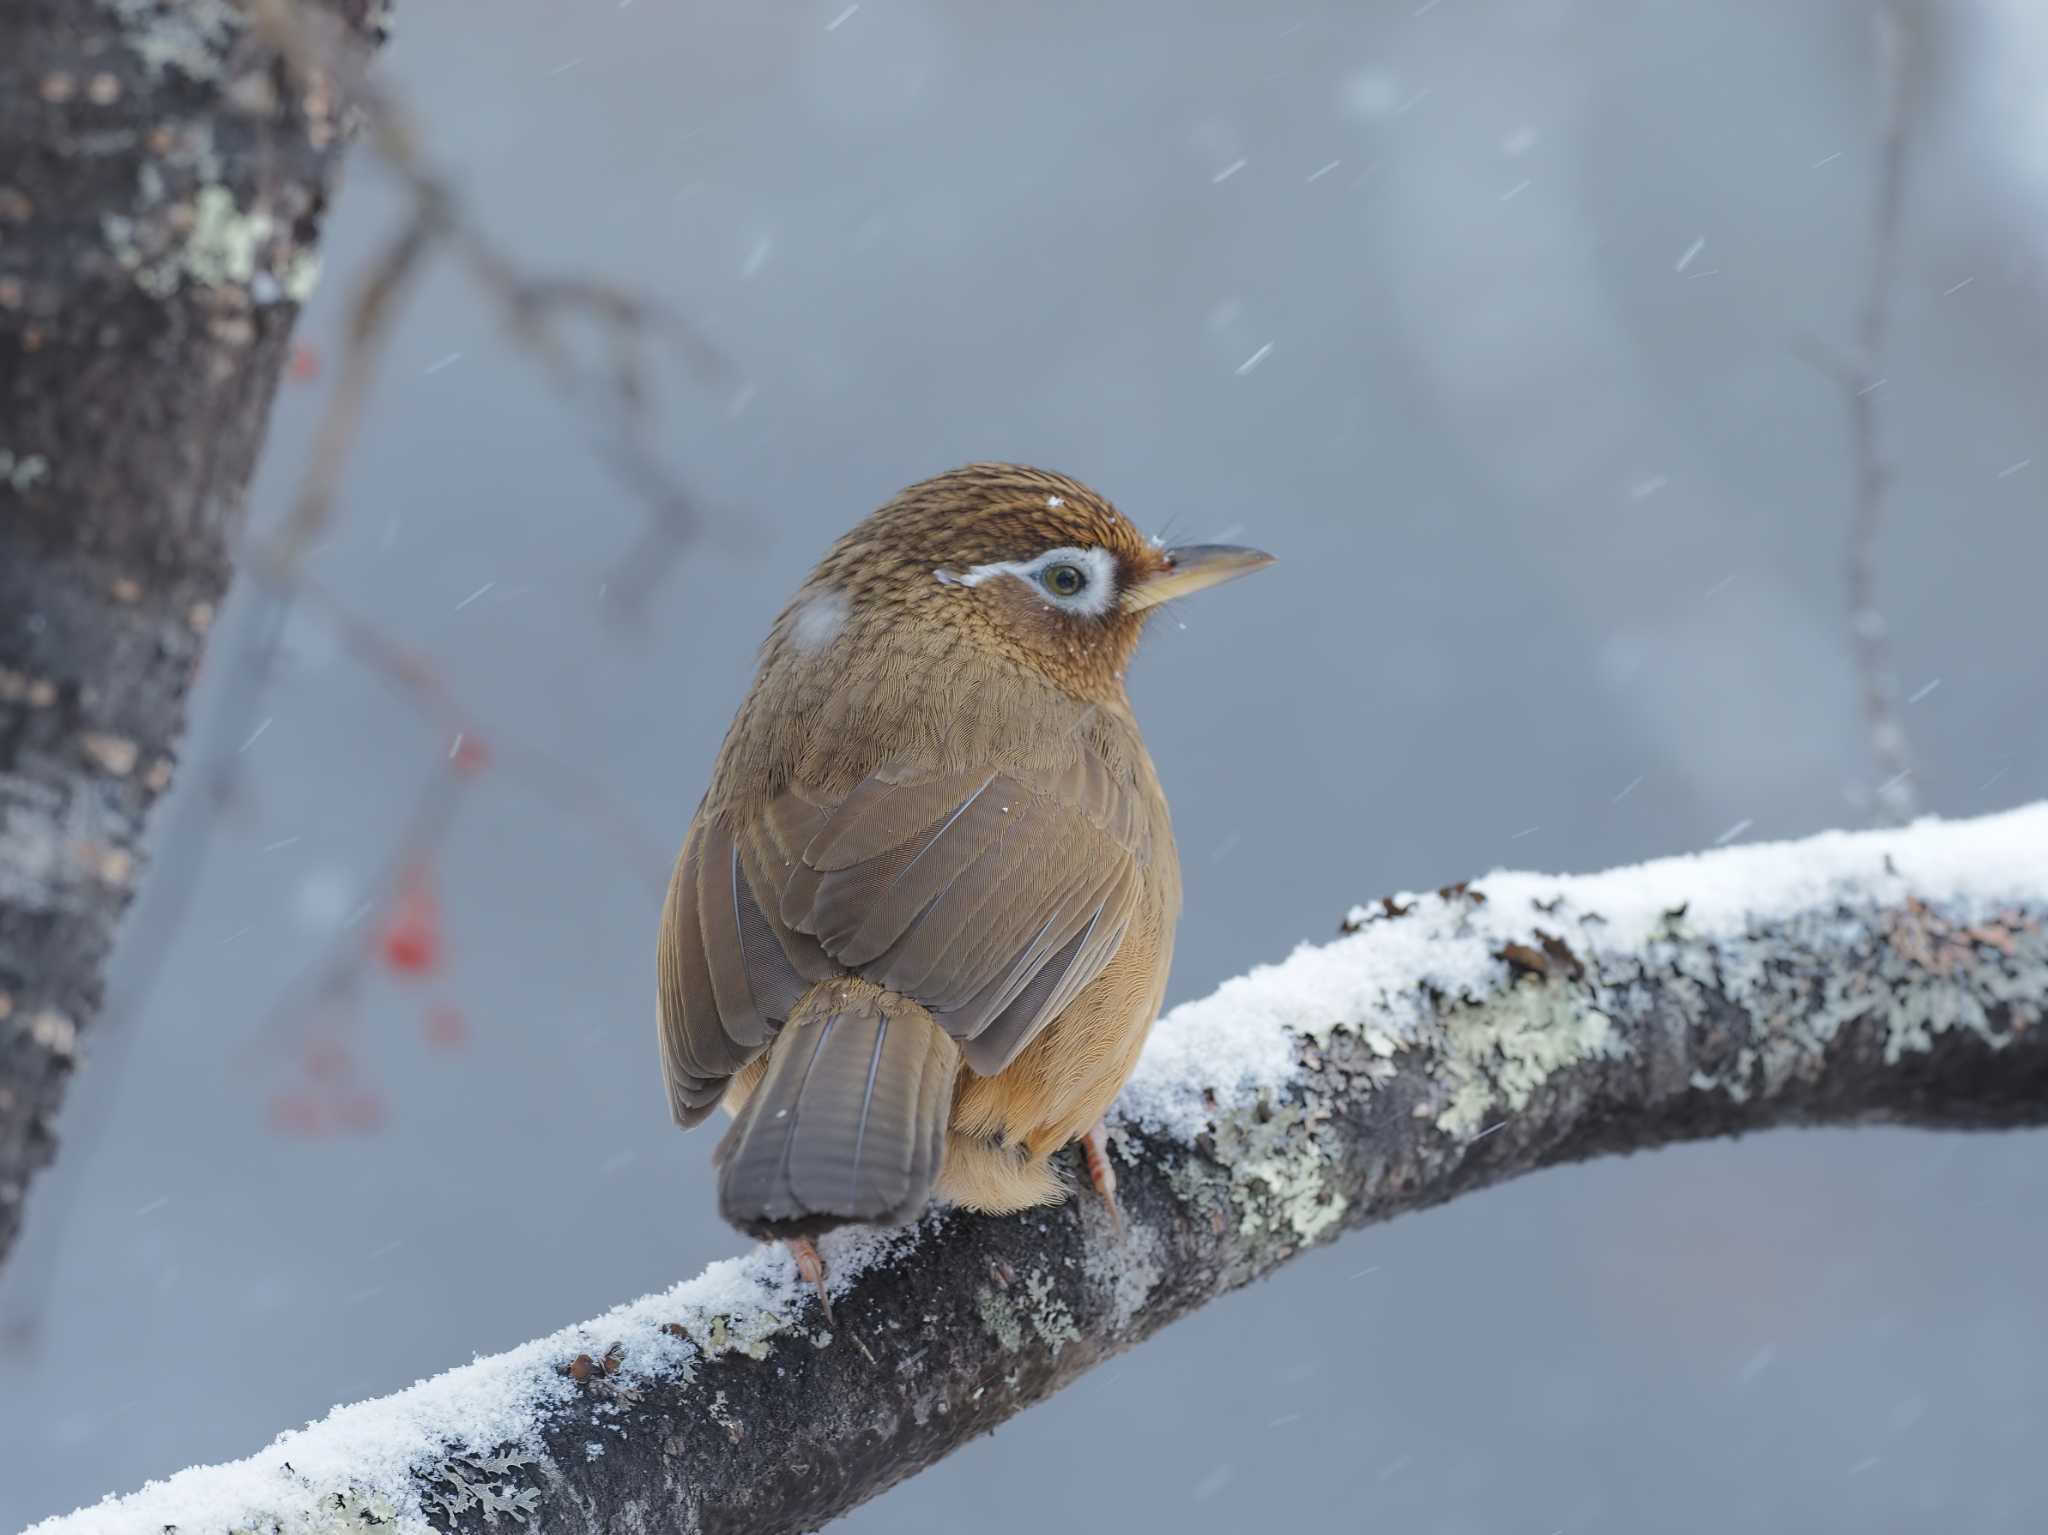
(934, 1113)
(848, 1124)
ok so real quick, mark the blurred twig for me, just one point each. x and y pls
(533, 308)
(338, 973)
(1861, 378)
(370, 318)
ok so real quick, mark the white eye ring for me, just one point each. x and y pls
(1095, 596)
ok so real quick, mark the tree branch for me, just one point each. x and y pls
(1451, 1041)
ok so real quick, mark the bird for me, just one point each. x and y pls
(921, 922)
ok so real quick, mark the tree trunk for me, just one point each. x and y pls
(162, 182)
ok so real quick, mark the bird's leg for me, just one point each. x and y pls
(811, 1267)
(1095, 1151)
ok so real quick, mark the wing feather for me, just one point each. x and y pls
(991, 898)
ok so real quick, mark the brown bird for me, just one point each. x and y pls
(922, 920)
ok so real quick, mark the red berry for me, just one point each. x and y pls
(305, 363)
(410, 948)
(411, 941)
(470, 755)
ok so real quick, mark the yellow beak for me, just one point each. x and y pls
(1193, 568)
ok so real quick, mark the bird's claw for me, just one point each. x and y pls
(811, 1267)
(1095, 1151)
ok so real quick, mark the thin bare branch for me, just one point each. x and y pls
(1896, 797)
(534, 309)
(372, 316)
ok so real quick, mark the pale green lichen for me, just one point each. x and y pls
(1127, 1272)
(1049, 1315)
(1772, 1001)
(753, 1334)
(22, 473)
(1382, 1044)
(211, 240)
(190, 36)
(454, 1486)
(301, 276)
(999, 1318)
(1040, 1312)
(1495, 1054)
(347, 1513)
(483, 1483)
(221, 248)
(722, 1414)
(1948, 974)
(225, 241)
(1275, 1172)
(1917, 974)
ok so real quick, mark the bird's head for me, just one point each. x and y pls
(1028, 563)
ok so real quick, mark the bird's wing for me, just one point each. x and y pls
(729, 970)
(991, 898)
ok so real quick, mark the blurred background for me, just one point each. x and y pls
(1496, 321)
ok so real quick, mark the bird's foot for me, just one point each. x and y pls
(811, 1267)
(1095, 1151)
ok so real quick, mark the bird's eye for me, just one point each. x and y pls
(1064, 580)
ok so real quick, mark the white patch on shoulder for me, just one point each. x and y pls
(819, 621)
(1096, 597)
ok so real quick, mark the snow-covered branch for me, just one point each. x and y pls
(1451, 1040)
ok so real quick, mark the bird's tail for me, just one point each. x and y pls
(848, 1123)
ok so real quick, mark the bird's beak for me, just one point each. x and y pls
(1192, 568)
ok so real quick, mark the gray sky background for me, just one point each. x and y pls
(1559, 511)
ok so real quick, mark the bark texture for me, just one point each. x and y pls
(1459, 1039)
(162, 181)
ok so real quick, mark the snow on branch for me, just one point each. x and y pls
(1451, 1040)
